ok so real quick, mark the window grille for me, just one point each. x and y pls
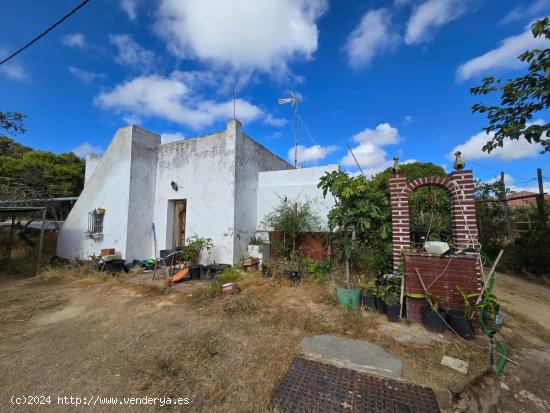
(95, 221)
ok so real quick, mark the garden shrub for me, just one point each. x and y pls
(229, 274)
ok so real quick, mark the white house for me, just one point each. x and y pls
(218, 186)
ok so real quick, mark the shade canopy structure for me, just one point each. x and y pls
(16, 210)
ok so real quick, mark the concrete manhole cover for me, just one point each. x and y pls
(311, 386)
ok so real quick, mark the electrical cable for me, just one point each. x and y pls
(44, 33)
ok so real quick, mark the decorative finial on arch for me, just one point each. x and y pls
(459, 163)
(395, 167)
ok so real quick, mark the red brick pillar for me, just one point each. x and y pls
(401, 237)
(463, 209)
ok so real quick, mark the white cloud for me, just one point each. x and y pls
(15, 71)
(374, 35)
(431, 15)
(86, 149)
(512, 149)
(130, 8)
(538, 7)
(369, 156)
(275, 135)
(171, 137)
(311, 154)
(503, 57)
(369, 152)
(245, 35)
(510, 183)
(399, 3)
(172, 99)
(85, 76)
(74, 40)
(408, 119)
(273, 121)
(383, 134)
(131, 53)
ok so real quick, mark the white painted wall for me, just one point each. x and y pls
(297, 185)
(251, 159)
(139, 244)
(204, 170)
(91, 163)
(101, 191)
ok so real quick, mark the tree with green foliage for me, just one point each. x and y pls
(520, 99)
(363, 206)
(26, 173)
(292, 219)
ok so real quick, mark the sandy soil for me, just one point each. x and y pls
(85, 336)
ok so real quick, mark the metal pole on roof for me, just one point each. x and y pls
(40, 243)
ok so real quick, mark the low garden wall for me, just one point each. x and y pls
(441, 275)
(311, 245)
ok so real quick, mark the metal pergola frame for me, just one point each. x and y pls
(15, 210)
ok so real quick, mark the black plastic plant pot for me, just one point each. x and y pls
(293, 275)
(433, 321)
(393, 311)
(369, 302)
(114, 265)
(380, 305)
(195, 272)
(463, 327)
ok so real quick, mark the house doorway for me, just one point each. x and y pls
(179, 218)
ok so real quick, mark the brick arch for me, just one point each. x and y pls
(459, 185)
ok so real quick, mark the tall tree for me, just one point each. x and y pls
(27, 174)
(520, 99)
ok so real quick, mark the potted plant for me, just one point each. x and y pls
(348, 292)
(193, 247)
(293, 269)
(380, 304)
(490, 314)
(368, 293)
(433, 318)
(392, 300)
(461, 320)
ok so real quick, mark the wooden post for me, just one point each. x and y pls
(8, 252)
(41, 242)
(540, 200)
(504, 202)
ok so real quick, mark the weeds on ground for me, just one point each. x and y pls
(229, 274)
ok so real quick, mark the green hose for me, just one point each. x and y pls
(502, 350)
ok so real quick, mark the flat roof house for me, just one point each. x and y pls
(217, 186)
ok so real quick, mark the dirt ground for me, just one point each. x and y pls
(71, 334)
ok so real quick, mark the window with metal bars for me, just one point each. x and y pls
(95, 221)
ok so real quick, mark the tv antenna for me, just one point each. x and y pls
(293, 101)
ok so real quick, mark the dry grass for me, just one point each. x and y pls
(228, 353)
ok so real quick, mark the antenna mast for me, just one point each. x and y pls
(293, 100)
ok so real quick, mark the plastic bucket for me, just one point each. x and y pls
(380, 305)
(393, 311)
(195, 272)
(463, 327)
(348, 297)
(369, 302)
(432, 320)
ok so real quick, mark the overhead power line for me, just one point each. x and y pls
(45, 32)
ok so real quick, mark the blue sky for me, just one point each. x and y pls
(384, 77)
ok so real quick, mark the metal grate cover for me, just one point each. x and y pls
(310, 386)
